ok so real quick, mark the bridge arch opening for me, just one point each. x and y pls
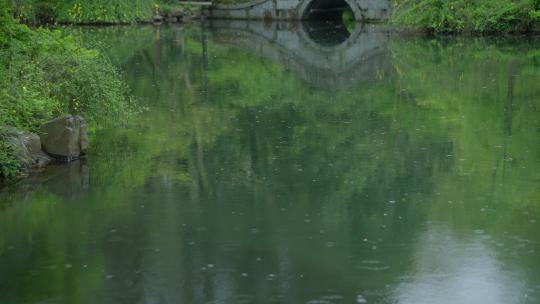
(328, 22)
(327, 10)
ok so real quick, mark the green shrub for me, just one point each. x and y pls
(82, 11)
(53, 75)
(479, 16)
(81, 80)
(10, 167)
(46, 73)
(36, 11)
(348, 20)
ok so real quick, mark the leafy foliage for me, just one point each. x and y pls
(9, 165)
(87, 11)
(47, 73)
(479, 16)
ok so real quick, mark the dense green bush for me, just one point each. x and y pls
(35, 11)
(84, 11)
(478, 16)
(9, 165)
(46, 73)
(52, 74)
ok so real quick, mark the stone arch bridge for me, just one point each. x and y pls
(363, 10)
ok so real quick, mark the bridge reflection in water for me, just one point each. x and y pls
(326, 55)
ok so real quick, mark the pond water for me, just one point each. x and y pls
(275, 163)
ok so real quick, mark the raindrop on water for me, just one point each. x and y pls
(360, 299)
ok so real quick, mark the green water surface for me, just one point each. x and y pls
(272, 164)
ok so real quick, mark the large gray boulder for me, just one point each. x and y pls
(179, 13)
(65, 138)
(157, 19)
(27, 147)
